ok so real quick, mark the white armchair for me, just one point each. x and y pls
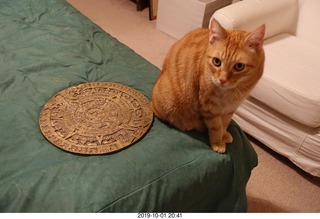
(283, 111)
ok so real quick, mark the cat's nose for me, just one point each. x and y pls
(222, 81)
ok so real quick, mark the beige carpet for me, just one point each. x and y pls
(276, 185)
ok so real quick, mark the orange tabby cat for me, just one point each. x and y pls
(205, 77)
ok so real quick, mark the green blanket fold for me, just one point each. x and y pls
(47, 46)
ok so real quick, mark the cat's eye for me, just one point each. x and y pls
(239, 67)
(216, 62)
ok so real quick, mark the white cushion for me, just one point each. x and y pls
(308, 27)
(279, 16)
(291, 79)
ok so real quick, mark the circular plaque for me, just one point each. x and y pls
(95, 118)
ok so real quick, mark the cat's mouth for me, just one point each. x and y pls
(223, 84)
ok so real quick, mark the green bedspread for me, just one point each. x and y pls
(47, 46)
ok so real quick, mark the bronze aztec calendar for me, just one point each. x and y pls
(95, 118)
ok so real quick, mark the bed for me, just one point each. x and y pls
(47, 46)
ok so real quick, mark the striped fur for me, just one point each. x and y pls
(202, 81)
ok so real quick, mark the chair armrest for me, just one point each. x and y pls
(280, 16)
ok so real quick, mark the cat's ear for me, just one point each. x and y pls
(217, 32)
(255, 39)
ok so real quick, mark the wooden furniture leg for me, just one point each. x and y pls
(141, 4)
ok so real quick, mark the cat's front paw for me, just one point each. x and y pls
(228, 137)
(219, 147)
